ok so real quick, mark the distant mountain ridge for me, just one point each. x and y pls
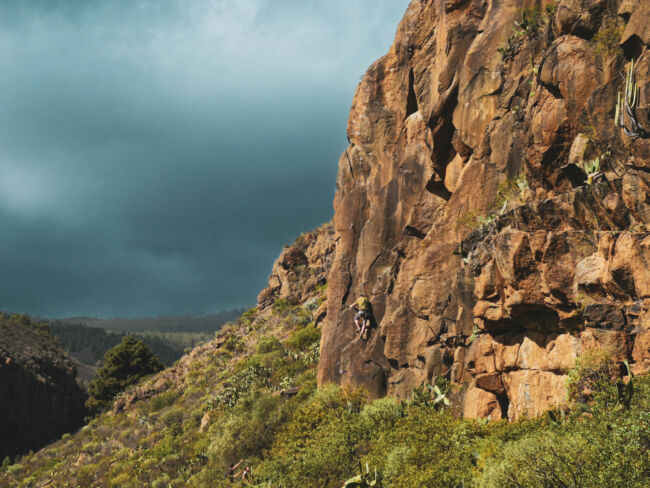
(163, 323)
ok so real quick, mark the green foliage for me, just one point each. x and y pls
(592, 168)
(533, 20)
(280, 306)
(509, 191)
(478, 223)
(319, 445)
(302, 339)
(268, 344)
(609, 448)
(248, 316)
(608, 38)
(161, 401)
(93, 342)
(123, 366)
(226, 407)
(591, 377)
(41, 328)
(434, 395)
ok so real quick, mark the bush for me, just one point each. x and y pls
(280, 306)
(268, 344)
(425, 447)
(301, 339)
(591, 377)
(319, 446)
(173, 417)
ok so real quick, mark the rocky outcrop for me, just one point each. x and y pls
(301, 267)
(39, 397)
(463, 210)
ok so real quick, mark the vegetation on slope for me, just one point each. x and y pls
(236, 398)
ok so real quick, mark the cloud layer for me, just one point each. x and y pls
(155, 156)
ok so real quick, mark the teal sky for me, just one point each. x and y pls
(155, 155)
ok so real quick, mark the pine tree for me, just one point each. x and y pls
(123, 365)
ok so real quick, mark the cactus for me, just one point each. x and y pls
(626, 104)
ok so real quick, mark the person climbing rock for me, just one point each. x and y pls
(364, 315)
(230, 474)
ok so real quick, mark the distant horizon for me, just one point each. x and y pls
(179, 315)
(156, 156)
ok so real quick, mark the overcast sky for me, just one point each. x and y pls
(155, 155)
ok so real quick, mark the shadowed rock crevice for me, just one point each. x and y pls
(411, 99)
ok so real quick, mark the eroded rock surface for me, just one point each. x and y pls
(444, 129)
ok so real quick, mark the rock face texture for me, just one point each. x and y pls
(463, 210)
(301, 267)
(39, 397)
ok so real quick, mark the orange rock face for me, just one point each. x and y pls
(464, 213)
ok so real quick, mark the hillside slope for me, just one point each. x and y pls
(40, 399)
(465, 213)
(251, 394)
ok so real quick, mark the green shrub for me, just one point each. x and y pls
(319, 444)
(14, 469)
(301, 339)
(426, 447)
(268, 344)
(280, 306)
(173, 417)
(591, 377)
(161, 401)
(248, 316)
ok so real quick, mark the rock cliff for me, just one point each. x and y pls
(493, 202)
(39, 397)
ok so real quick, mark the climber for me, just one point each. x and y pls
(364, 314)
(230, 474)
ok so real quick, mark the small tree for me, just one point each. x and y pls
(122, 366)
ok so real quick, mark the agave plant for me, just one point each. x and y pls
(440, 398)
(364, 479)
(626, 105)
(434, 394)
(592, 169)
(487, 221)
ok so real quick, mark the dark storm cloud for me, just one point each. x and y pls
(155, 155)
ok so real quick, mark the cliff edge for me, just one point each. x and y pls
(493, 202)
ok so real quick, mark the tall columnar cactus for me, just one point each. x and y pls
(626, 104)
